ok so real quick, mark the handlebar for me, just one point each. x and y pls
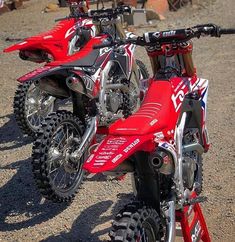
(101, 13)
(172, 36)
(227, 31)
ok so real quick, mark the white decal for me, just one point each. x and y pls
(116, 158)
(196, 233)
(104, 51)
(106, 157)
(159, 135)
(131, 146)
(90, 158)
(48, 37)
(178, 99)
(69, 32)
(88, 82)
(168, 33)
(106, 153)
(153, 122)
(117, 141)
(100, 161)
(156, 35)
(22, 43)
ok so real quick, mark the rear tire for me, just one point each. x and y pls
(29, 110)
(59, 135)
(136, 222)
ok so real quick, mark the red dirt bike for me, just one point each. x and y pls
(162, 144)
(104, 85)
(66, 38)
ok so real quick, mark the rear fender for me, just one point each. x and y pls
(39, 73)
(49, 79)
(21, 46)
(114, 150)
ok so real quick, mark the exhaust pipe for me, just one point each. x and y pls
(193, 147)
(51, 87)
(122, 87)
(157, 162)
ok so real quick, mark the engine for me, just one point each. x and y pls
(189, 167)
(190, 159)
(114, 100)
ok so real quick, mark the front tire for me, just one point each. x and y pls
(143, 69)
(136, 223)
(57, 175)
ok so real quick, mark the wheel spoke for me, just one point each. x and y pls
(32, 113)
(61, 181)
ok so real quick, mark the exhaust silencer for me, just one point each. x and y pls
(75, 84)
(162, 162)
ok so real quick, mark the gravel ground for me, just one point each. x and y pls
(25, 216)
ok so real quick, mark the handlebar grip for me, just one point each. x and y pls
(227, 31)
(102, 45)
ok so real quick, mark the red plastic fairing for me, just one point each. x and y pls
(113, 150)
(33, 74)
(59, 33)
(86, 50)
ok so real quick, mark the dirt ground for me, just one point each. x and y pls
(24, 216)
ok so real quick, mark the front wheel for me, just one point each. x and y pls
(57, 175)
(143, 69)
(137, 223)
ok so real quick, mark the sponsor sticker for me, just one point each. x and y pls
(116, 158)
(131, 146)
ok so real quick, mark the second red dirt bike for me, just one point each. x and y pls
(104, 85)
(30, 104)
(162, 144)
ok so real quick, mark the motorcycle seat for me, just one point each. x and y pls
(84, 60)
(153, 116)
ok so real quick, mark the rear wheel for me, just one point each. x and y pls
(137, 223)
(31, 106)
(57, 175)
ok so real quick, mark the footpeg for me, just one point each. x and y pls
(195, 200)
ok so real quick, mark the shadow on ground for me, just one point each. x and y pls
(20, 201)
(83, 227)
(10, 135)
